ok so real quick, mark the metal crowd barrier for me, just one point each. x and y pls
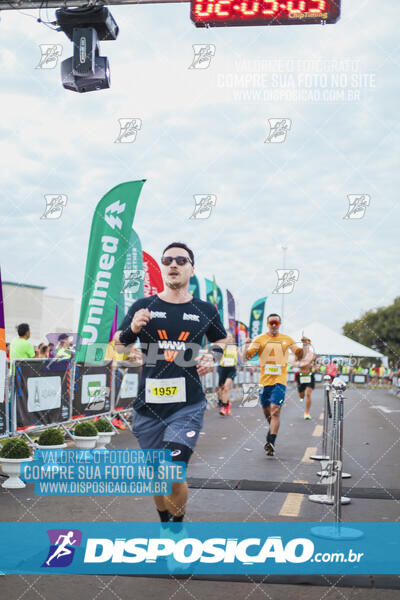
(334, 472)
(74, 393)
(64, 392)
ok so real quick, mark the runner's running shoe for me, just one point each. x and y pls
(307, 416)
(228, 408)
(269, 449)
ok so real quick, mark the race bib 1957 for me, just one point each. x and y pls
(305, 378)
(165, 391)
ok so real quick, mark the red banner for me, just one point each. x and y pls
(153, 283)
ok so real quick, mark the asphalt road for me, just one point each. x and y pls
(232, 479)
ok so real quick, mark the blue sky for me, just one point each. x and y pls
(204, 132)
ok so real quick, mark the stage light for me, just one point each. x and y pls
(86, 70)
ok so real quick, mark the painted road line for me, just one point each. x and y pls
(309, 452)
(321, 416)
(292, 505)
(317, 431)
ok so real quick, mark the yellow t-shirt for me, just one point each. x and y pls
(273, 353)
(112, 353)
(229, 357)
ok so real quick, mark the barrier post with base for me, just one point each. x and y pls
(338, 387)
(327, 414)
(336, 531)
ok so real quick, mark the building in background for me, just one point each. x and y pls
(24, 303)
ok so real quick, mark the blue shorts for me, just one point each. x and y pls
(273, 394)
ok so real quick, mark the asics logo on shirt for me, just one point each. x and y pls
(172, 347)
(190, 317)
(156, 314)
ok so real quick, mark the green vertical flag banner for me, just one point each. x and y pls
(132, 286)
(257, 317)
(194, 287)
(214, 295)
(108, 246)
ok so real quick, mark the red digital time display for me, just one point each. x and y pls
(223, 13)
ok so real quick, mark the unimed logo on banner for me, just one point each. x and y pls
(62, 547)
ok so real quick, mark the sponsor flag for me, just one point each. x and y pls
(108, 245)
(241, 333)
(257, 317)
(194, 287)
(214, 296)
(153, 283)
(231, 312)
(132, 284)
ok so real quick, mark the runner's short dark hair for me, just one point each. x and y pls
(22, 329)
(274, 315)
(62, 336)
(183, 246)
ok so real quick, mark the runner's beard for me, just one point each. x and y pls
(175, 285)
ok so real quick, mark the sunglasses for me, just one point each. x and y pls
(180, 260)
(274, 322)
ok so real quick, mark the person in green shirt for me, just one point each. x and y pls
(20, 347)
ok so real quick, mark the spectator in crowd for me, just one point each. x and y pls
(372, 374)
(331, 369)
(51, 350)
(63, 349)
(43, 351)
(8, 351)
(20, 347)
(381, 375)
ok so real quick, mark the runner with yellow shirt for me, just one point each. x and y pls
(273, 349)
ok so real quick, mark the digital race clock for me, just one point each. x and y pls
(223, 13)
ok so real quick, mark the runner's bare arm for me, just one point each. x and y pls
(250, 349)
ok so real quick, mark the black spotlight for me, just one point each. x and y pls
(86, 70)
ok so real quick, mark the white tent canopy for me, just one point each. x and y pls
(328, 342)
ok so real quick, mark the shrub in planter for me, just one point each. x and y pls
(51, 437)
(15, 448)
(12, 454)
(85, 429)
(103, 426)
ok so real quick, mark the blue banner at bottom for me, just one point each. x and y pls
(200, 548)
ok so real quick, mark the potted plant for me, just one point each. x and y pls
(51, 439)
(14, 452)
(105, 431)
(85, 435)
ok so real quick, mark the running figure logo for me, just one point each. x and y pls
(203, 53)
(62, 547)
(55, 203)
(50, 55)
(278, 129)
(132, 280)
(128, 129)
(286, 281)
(251, 395)
(204, 204)
(357, 206)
